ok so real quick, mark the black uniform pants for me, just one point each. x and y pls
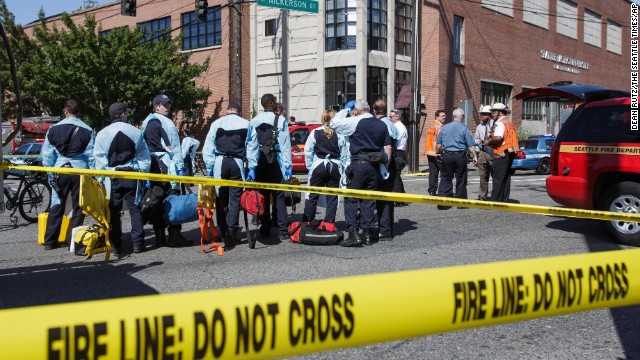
(400, 161)
(228, 199)
(385, 208)
(363, 176)
(159, 167)
(435, 165)
(454, 164)
(328, 176)
(502, 177)
(272, 174)
(69, 185)
(124, 191)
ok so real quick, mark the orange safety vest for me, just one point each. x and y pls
(432, 134)
(509, 139)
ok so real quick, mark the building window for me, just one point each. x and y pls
(340, 25)
(567, 15)
(401, 78)
(155, 29)
(340, 86)
(270, 27)
(107, 32)
(501, 6)
(614, 32)
(533, 109)
(536, 12)
(376, 84)
(199, 34)
(404, 14)
(491, 92)
(377, 34)
(458, 39)
(592, 28)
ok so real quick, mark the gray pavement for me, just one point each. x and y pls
(425, 238)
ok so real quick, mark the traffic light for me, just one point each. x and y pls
(201, 9)
(128, 7)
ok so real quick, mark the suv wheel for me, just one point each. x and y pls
(544, 167)
(623, 197)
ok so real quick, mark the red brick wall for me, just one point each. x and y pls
(506, 49)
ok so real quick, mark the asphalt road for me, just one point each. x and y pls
(425, 238)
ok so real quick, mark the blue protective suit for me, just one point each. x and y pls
(230, 136)
(312, 160)
(263, 122)
(61, 146)
(189, 147)
(121, 145)
(166, 143)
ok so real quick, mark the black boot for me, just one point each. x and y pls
(368, 237)
(161, 239)
(176, 239)
(230, 240)
(354, 239)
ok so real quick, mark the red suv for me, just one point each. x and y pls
(595, 161)
(299, 135)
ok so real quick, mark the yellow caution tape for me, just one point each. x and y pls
(361, 194)
(302, 317)
(418, 174)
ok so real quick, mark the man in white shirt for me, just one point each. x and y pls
(401, 148)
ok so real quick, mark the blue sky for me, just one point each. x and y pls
(26, 11)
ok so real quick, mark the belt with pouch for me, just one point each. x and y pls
(453, 152)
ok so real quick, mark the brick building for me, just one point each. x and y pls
(202, 40)
(472, 52)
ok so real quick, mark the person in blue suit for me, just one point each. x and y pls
(163, 141)
(68, 144)
(225, 147)
(121, 147)
(276, 172)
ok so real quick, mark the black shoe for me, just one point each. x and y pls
(176, 239)
(383, 237)
(230, 240)
(161, 239)
(51, 246)
(354, 239)
(284, 238)
(137, 249)
(368, 237)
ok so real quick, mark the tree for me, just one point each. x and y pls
(97, 70)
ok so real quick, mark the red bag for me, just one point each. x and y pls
(327, 226)
(252, 202)
(294, 231)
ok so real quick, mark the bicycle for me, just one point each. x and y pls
(32, 197)
(200, 167)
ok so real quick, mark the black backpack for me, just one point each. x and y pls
(268, 153)
(151, 203)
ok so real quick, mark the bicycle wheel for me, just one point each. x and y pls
(35, 198)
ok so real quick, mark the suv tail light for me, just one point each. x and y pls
(521, 155)
(555, 151)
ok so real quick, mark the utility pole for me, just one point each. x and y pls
(414, 158)
(234, 48)
(284, 46)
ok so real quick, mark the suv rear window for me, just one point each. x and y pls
(602, 124)
(299, 136)
(529, 144)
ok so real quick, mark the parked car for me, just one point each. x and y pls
(534, 154)
(595, 160)
(299, 135)
(26, 154)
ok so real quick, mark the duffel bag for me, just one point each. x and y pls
(151, 202)
(180, 209)
(313, 234)
(252, 202)
(91, 240)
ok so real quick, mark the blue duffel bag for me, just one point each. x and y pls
(180, 209)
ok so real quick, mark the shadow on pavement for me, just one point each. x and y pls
(64, 283)
(625, 319)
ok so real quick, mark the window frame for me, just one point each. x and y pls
(212, 29)
(404, 27)
(458, 40)
(270, 27)
(590, 28)
(504, 7)
(341, 79)
(377, 25)
(376, 84)
(155, 34)
(504, 92)
(565, 20)
(340, 20)
(614, 46)
(536, 12)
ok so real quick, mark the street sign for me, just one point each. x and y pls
(300, 5)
